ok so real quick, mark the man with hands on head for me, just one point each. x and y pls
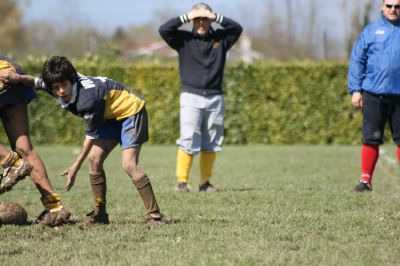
(374, 84)
(202, 54)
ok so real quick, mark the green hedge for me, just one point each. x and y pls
(271, 103)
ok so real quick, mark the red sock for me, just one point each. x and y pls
(398, 153)
(369, 157)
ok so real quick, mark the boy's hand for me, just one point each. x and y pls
(71, 175)
(8, 76)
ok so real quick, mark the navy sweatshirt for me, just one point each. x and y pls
(201, 59)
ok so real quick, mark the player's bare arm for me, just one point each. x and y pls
(72, 171)
(9, 76)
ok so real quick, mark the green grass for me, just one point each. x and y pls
(280, 205)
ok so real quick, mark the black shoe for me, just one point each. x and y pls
(207, 187)
(362, 187)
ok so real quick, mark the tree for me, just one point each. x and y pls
(11, 30)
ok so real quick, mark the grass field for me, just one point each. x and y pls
(280, 205)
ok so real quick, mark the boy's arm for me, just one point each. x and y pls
(13, 78)
(72, 171)
(93, 120)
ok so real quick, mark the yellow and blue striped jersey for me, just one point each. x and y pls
(97, 99)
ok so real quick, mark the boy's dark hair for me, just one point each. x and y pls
(58, 69)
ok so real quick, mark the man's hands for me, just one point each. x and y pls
(356, 99)
(201, 13)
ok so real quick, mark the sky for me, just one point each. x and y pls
(107, 15)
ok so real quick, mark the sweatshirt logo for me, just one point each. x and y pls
(216, 45)
(379, 32)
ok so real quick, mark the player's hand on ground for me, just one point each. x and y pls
(71, 175)
(356, 99)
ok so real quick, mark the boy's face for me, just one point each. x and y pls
(62, 89)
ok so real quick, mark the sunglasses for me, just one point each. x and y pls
(390, 6)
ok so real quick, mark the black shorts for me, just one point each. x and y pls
(377, 110)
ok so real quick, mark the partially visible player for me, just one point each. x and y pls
(202, 54)
(14, 99)
(112, 115)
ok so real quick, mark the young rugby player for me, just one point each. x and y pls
(112, 115)
(14, 99)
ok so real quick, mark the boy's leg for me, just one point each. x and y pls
(130, 164)
(98, 154)
(15, 169)
(4, 152)
(16, 125)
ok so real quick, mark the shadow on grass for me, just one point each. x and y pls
(240, 190)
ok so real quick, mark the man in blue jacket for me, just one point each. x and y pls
(202, 54)
(374, 83)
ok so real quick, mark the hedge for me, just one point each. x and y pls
(269, 103)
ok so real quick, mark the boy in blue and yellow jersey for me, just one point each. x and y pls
(23, 160)
(112, 115)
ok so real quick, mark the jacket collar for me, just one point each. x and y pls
(65, 104)
(390, 23)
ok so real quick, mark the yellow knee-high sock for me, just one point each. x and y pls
(183, 165)
(207, 160)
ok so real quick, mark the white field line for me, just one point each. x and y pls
(393, 176)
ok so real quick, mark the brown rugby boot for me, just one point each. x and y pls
(13, 174)
(94, 217)
(155, 219)
(52, 219)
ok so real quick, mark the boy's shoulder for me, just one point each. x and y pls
(88, 82)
